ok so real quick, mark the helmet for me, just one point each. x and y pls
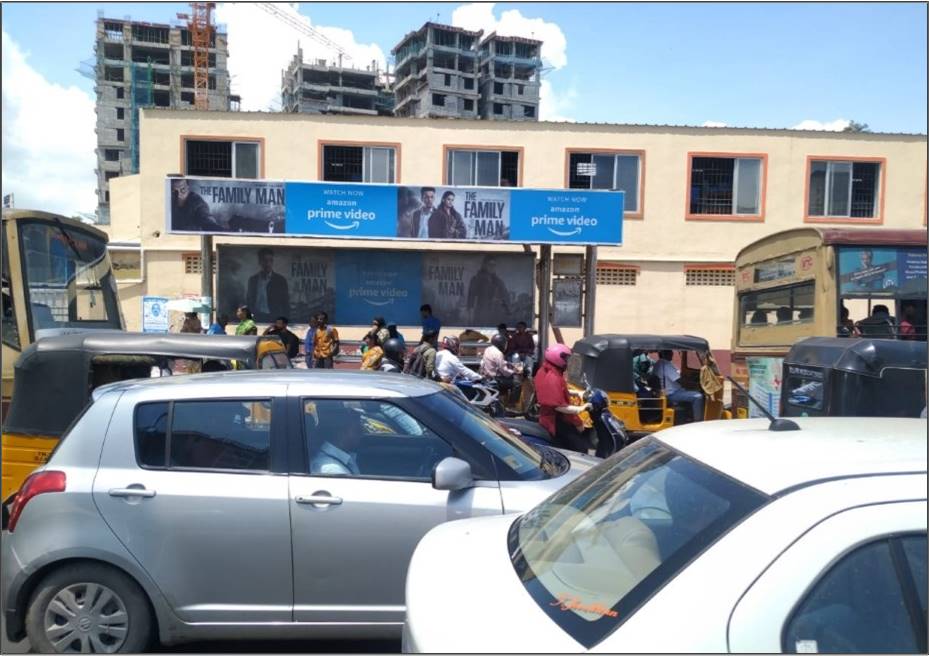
(451, 343)
(557, 354)
(394, 349)
(499, 341)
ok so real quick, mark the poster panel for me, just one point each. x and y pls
(879, 271)
(764, 384)
(377, 284)
(479, 290)
(154, 314)
(275, 281)
(224, 205)
(567, 302)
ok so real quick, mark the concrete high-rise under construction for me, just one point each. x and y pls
(319, 88)
(145, 65)
(446, 71)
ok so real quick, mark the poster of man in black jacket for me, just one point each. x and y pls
(267, 296)
(188, 209)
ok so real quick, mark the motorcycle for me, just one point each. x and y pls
(611, 432)
(482, 394)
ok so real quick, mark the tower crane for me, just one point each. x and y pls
(303, 28)
(200, 24)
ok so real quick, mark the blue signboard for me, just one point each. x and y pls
(382, 283)
(877, 271)
(376, 211)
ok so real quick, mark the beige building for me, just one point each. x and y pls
(694, 196)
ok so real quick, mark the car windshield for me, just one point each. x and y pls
(595, 550)
(527, 462)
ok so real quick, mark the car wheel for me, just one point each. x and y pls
(88, 608)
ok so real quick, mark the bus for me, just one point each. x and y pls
(820, 282)
(56, 278)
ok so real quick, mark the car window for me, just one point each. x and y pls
(369, 438)
(221, 435)
(915, 547)
(595, 550)
(857, 606)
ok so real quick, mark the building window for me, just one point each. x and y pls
(193, 263)
(120, 135)
(844, 189)
(611, 171)
(498, 88)
(120, 93)
(111, 155)
(469, 83)
(438, 100)
(359, 164)
(448, 80)
(529, 111)
(613, 273)
(711, 277)
(120, 114)
(482, 168)
(468, 105)
(498, 109)
(725, 186)
(223, 159)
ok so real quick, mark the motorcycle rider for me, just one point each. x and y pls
(495, 367)
(448, 366)
(394, 352)
(556, 413)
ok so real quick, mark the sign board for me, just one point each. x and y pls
(467, 289)
(127, 264)
(154, 314)
(568, 264)
(394, 212)
(882, 271)
(566, 302)
(7, 201)
(764, 384)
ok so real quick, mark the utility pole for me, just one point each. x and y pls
(545, 291)
(590, 290)
(206, 275)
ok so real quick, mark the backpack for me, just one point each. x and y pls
(416, 365)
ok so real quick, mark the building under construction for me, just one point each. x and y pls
(437, 70)
(318, 88)
(510, 78)
(148, 65)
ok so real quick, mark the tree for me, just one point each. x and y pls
(855, 126)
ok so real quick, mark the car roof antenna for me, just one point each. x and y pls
(777, 424)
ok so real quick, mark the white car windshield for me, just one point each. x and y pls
(595, 550)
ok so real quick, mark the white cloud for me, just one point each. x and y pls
(714, 124)
(48, 139)
(555, 106)
(262, 45)
(480, 16)
(837, 125)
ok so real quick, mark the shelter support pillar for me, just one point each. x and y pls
(206, 275)
(545, 296)
(590, 290)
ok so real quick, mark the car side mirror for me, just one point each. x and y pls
(452, 474)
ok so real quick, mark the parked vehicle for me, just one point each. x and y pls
(482, 394)
(56, 375)
(607, 362)
(833, 376)
(252, 504)
(711, 537)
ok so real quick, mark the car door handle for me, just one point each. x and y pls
(320, 499)
(131, 492)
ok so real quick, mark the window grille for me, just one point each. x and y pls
(616, 275)
(722, 277)
(193, 264)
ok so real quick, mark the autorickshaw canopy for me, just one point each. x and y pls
(862, 356)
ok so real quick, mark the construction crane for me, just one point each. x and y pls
(302, 27)
(200, 24)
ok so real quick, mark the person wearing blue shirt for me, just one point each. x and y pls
(218, 327)
(309, 341)
(430, 323)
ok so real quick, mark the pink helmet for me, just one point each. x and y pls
(557, 354)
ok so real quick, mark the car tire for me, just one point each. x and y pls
(123, 620)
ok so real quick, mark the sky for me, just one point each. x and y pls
(806, 65)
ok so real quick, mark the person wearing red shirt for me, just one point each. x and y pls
(556, 413)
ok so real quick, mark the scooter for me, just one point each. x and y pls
(611, 432)
(482, 394)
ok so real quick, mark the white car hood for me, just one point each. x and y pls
(463, 595)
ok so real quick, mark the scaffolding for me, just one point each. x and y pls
(139, 96)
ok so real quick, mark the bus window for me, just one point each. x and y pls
(69, 282)
(792, 304)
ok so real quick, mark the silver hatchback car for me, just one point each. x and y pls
(252, 504)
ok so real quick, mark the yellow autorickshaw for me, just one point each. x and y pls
(607, 362)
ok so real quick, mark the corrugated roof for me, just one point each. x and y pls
(529, 124)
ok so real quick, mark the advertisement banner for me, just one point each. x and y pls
(479, 290)
(154, 314)
(764, 384)
(376, 211)
(353, 286)
(566, 302)
(222, 205)
(882, 271)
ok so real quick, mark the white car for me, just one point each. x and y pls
(712, 537)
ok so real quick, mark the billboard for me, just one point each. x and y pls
(877, 271)
(376, 211)
(354, 285)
